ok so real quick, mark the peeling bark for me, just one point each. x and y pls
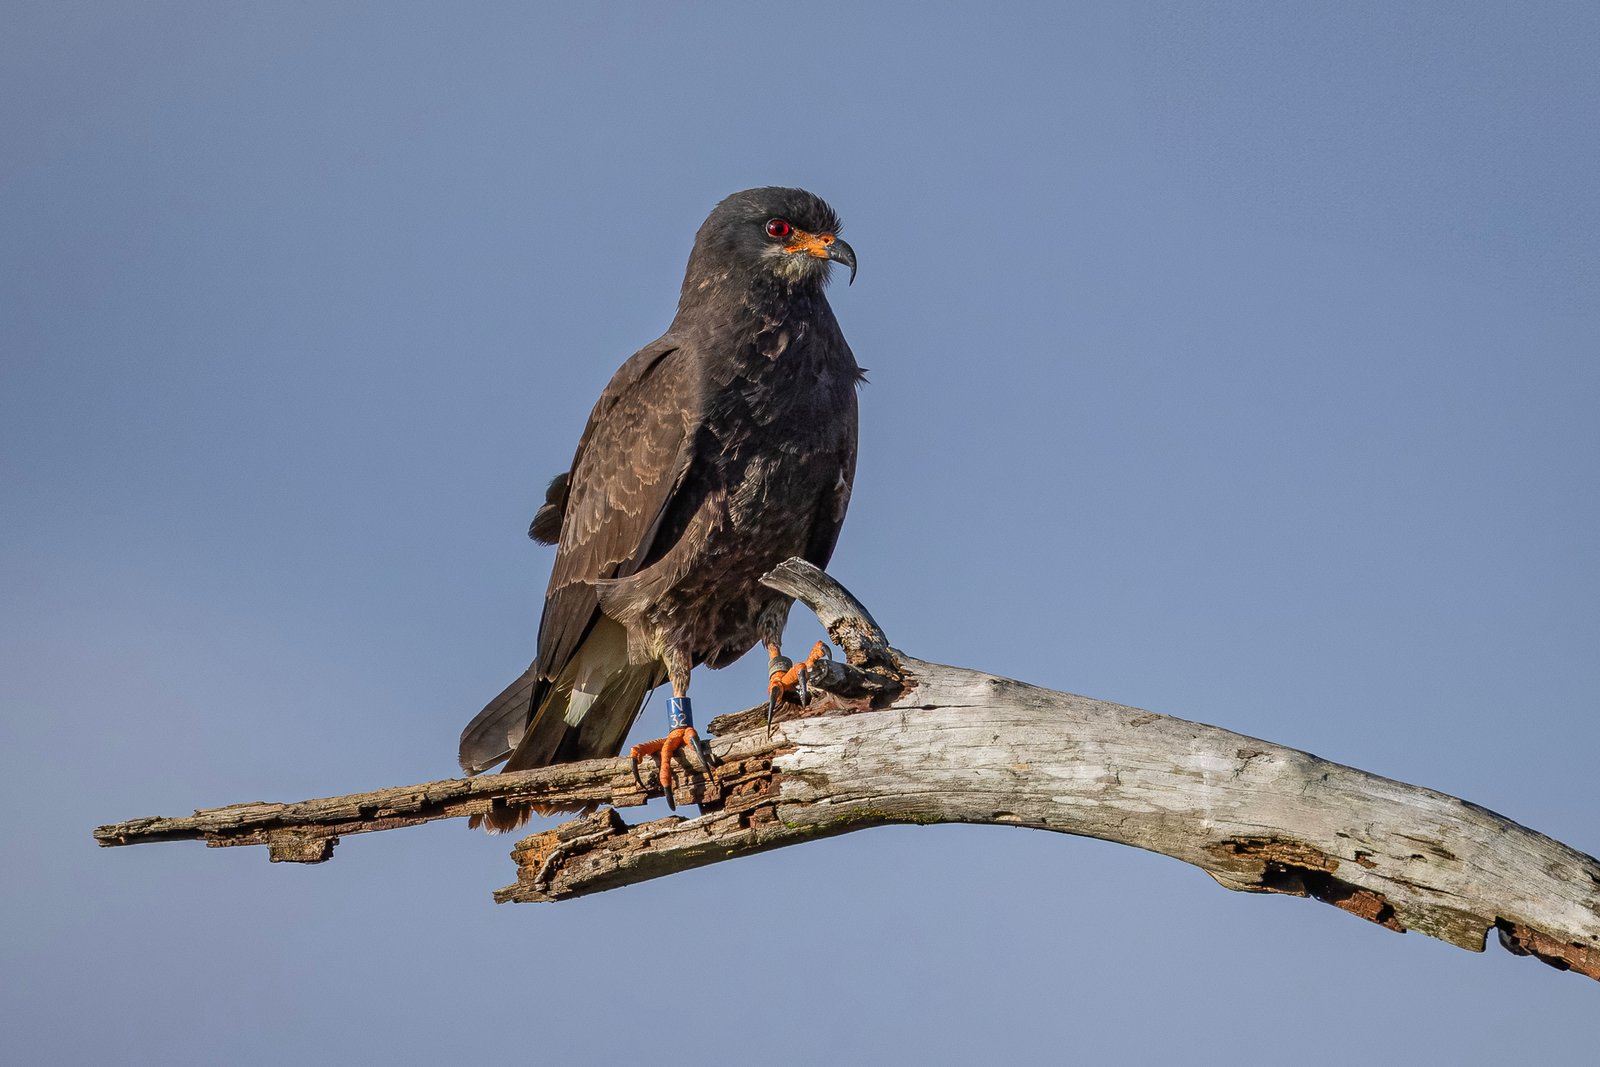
(892, 739)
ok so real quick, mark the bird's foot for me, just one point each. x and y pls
(790, 679)
(662, 749)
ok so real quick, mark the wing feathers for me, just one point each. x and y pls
(632, 459)
(546, 525)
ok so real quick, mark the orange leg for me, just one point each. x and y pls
(786, 677)
(682, 735)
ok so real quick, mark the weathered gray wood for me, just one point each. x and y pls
(899, 740)
(291, 829)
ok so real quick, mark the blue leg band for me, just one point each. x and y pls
(678, 713)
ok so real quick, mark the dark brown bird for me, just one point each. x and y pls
(717, 451)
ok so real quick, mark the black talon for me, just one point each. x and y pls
(703, 750)
(802, 686)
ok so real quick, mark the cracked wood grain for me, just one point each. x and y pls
(898, 740)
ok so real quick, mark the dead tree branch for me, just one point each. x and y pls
(892, 739)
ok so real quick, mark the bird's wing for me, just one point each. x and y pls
(604, 513)
(546, 525)
(630, 462)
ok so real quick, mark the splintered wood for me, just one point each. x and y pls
(600, 851)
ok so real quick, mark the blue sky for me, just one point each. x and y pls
(1237, 361)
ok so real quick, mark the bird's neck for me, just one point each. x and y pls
(756, 298)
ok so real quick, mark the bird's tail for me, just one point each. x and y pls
(584, 713)
(495, 731)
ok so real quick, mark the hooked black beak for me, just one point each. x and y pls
(840, 252)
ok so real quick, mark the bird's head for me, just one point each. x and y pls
(789, 234)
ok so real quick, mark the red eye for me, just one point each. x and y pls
(778, 228)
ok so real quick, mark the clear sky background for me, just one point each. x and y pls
(1240, 362)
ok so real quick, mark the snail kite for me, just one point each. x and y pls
(716, 452)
